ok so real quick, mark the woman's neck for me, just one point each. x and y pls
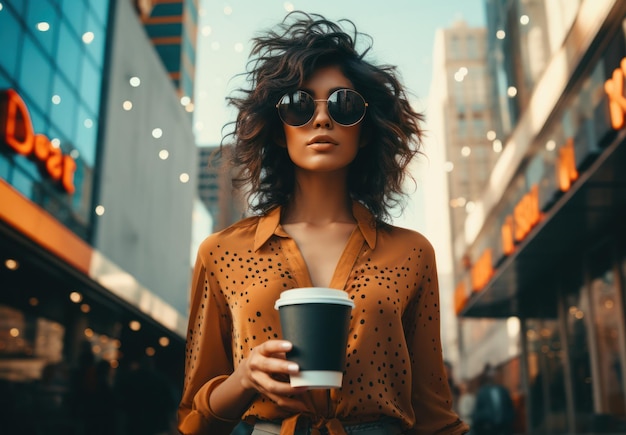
(319, 201)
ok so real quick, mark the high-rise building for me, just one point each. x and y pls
(460, 117)
(172, 28)
(98, 171)
(215, 189)
(470, 154)
(210, 178)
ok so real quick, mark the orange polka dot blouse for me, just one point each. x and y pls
(394, 366)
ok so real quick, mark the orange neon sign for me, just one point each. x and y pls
(614, 88)
(526, 214)
(566, 166)
(460, 297)
(508, 242)
(482, 271)
(17, 132)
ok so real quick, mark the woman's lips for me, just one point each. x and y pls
(322, 140)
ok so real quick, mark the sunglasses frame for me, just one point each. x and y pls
(365, 106)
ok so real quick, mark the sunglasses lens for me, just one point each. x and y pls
(346, 107)
(296, 108)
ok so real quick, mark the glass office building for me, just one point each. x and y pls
(95, 208)
(53, 55)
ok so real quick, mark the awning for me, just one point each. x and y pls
(524, 283)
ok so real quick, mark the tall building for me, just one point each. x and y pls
(97, 186)
(209, 178)
(545, 243)
(460, 117)
(467, 113)
(215, 189)
(172, 28)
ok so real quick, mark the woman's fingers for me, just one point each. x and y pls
(267, 362)
(272, 347)
(269, 358)
(267, 371)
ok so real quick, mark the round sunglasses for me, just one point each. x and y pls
(345, 106)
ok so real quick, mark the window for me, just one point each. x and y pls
(86, 129)
(35, 74)
(96, 47)
(608, 332)
(472, 47)
(91, 85)
(547, 379)
(42, 14)
(68, 54)
(10, 41)
(455, 47)
(578, 321)
(74, 13)
(44, 56)
(63, 114)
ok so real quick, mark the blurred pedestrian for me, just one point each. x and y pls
(494, 413)
(323, 139)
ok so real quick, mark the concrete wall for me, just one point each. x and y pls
(146, 226)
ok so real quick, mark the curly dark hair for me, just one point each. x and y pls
(280, 61)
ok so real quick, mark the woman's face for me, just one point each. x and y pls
(323, 145)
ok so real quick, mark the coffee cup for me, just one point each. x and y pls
(316, 321)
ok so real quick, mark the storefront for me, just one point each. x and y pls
(74, 315)
(552, 253)
(63, 309)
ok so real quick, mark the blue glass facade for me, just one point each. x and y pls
(53, 56)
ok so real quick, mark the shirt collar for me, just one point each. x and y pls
(269, 224)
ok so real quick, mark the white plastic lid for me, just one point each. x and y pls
(313, 295)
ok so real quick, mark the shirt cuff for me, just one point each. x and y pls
(201, 402)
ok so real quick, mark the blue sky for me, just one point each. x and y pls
(403, 32)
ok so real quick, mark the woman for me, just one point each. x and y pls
(323, 139)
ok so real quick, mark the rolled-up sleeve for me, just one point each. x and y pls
(208, 359)
(431, 395)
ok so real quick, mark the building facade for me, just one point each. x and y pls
(215, 189)
(460, 113)
(470, 155)
(172, 27)
(545, 246)
(97, 186)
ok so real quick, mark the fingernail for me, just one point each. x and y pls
(293, 367)
(286, 345)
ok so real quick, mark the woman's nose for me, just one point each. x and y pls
(321, 117)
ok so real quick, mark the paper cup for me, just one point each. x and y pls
(316, 321)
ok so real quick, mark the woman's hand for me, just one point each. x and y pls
(267, 370)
